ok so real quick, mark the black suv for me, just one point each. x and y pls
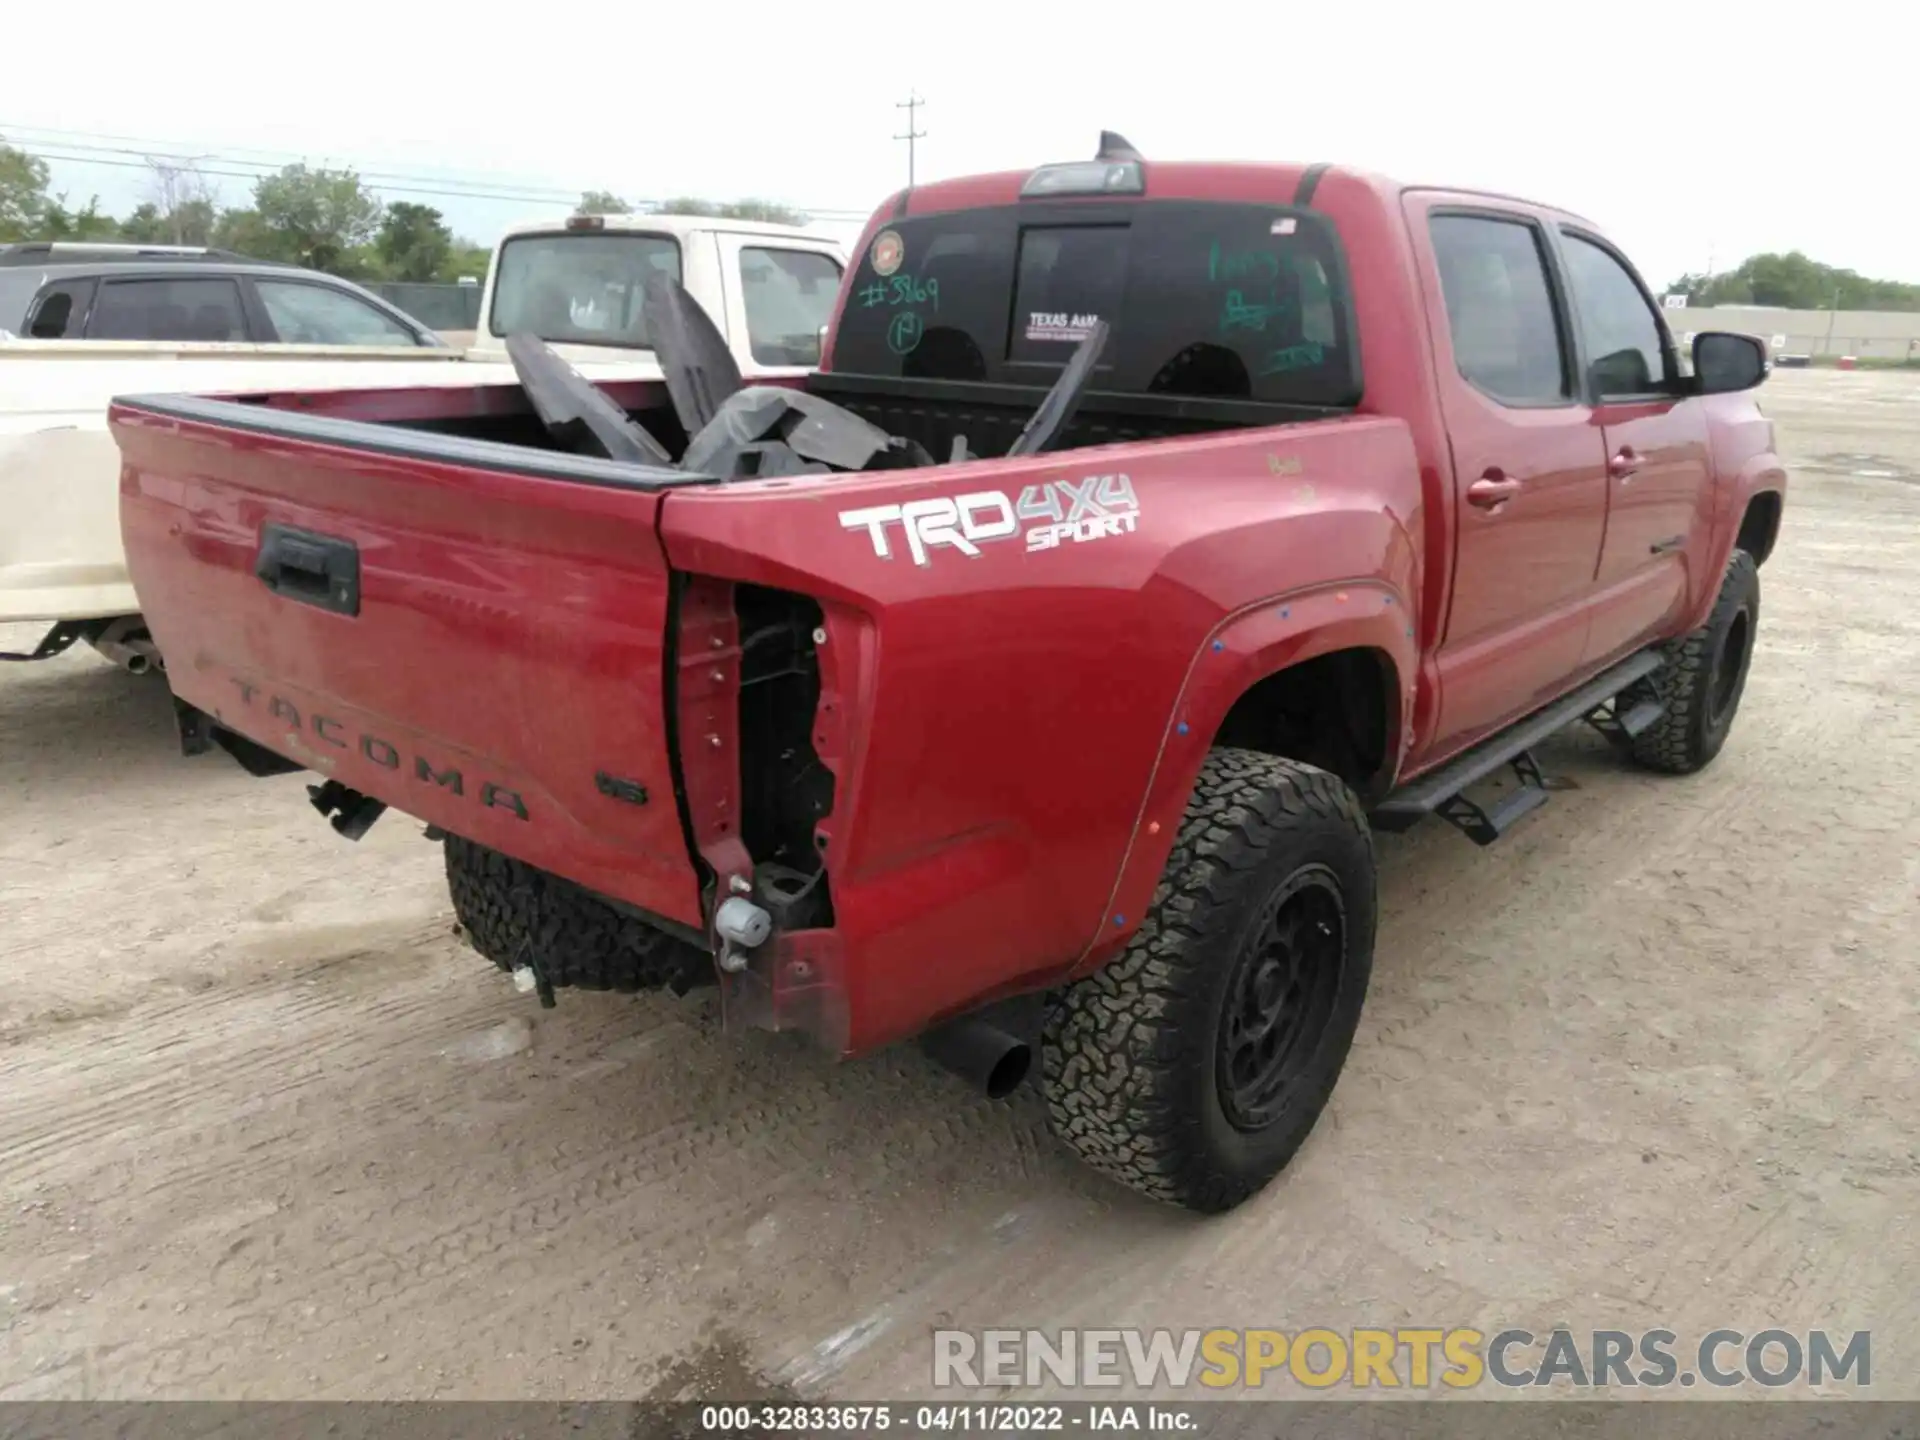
(53, 291)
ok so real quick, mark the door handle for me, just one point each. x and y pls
(310, 569)
(1623, 464)
(1492, 490)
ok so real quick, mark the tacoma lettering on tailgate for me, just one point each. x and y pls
(381, 752)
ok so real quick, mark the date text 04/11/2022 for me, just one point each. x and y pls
(982, 1419)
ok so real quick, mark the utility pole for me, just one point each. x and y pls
(177, 182)
(911, 105)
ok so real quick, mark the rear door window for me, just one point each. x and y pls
(1500, 311)
(168, 308)
(789, 297)
(60, 311)
(1203, 299)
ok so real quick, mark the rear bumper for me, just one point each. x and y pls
(64, 592)
(61, 556)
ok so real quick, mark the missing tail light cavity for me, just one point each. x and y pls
(785, 789)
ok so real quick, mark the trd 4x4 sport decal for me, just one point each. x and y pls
(1071, 512)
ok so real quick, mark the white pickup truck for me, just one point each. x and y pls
(577, 283)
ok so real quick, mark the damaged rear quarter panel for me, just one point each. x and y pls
(1006, 712)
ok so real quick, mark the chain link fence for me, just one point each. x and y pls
(437, 306)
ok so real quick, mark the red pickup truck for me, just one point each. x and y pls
(1149, 535)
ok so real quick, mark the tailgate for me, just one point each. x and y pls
(474, 633)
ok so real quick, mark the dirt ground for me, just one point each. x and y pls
(268, 1129)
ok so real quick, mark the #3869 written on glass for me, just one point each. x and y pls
(901, 290)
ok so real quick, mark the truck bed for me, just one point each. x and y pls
(653, 683)
(934, 413)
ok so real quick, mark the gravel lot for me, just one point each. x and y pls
(270, 1130)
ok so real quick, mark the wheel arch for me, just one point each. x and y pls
(1337, 710)
(1747, 512)
(1272, 660)
(1760, 524)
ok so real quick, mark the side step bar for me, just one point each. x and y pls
(1618, 702)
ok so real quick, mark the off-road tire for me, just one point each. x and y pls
(518, 915)
(1131, 1059)
(1701, 692)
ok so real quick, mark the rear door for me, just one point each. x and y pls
(475, 633)
(169, 307)
(1528, 460)
(1656, 444)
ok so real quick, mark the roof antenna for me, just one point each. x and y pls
(1114, 146)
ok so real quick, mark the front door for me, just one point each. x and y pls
(1658, 467)
(1529, 469)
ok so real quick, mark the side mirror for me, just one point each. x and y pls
(1724, 362)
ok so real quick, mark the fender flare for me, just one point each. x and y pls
(1763, 474)
(1245, 647)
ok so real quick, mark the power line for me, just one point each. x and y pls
(548, 198)
(234, 152)
(78, 152)
(493, 189)
(911, 105)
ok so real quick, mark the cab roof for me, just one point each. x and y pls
(1247, 182)
(674, 225)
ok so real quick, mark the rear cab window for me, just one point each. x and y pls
(1222, 300)
(580, 287)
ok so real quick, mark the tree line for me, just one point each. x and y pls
(1794, 282)
(327, 220)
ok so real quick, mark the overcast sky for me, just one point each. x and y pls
(1693, 130)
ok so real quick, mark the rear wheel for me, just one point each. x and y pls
(1193, 1066)
(1704, 678)
(518, 915)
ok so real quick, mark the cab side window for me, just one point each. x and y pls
(1500, 311)
(1621, 329)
